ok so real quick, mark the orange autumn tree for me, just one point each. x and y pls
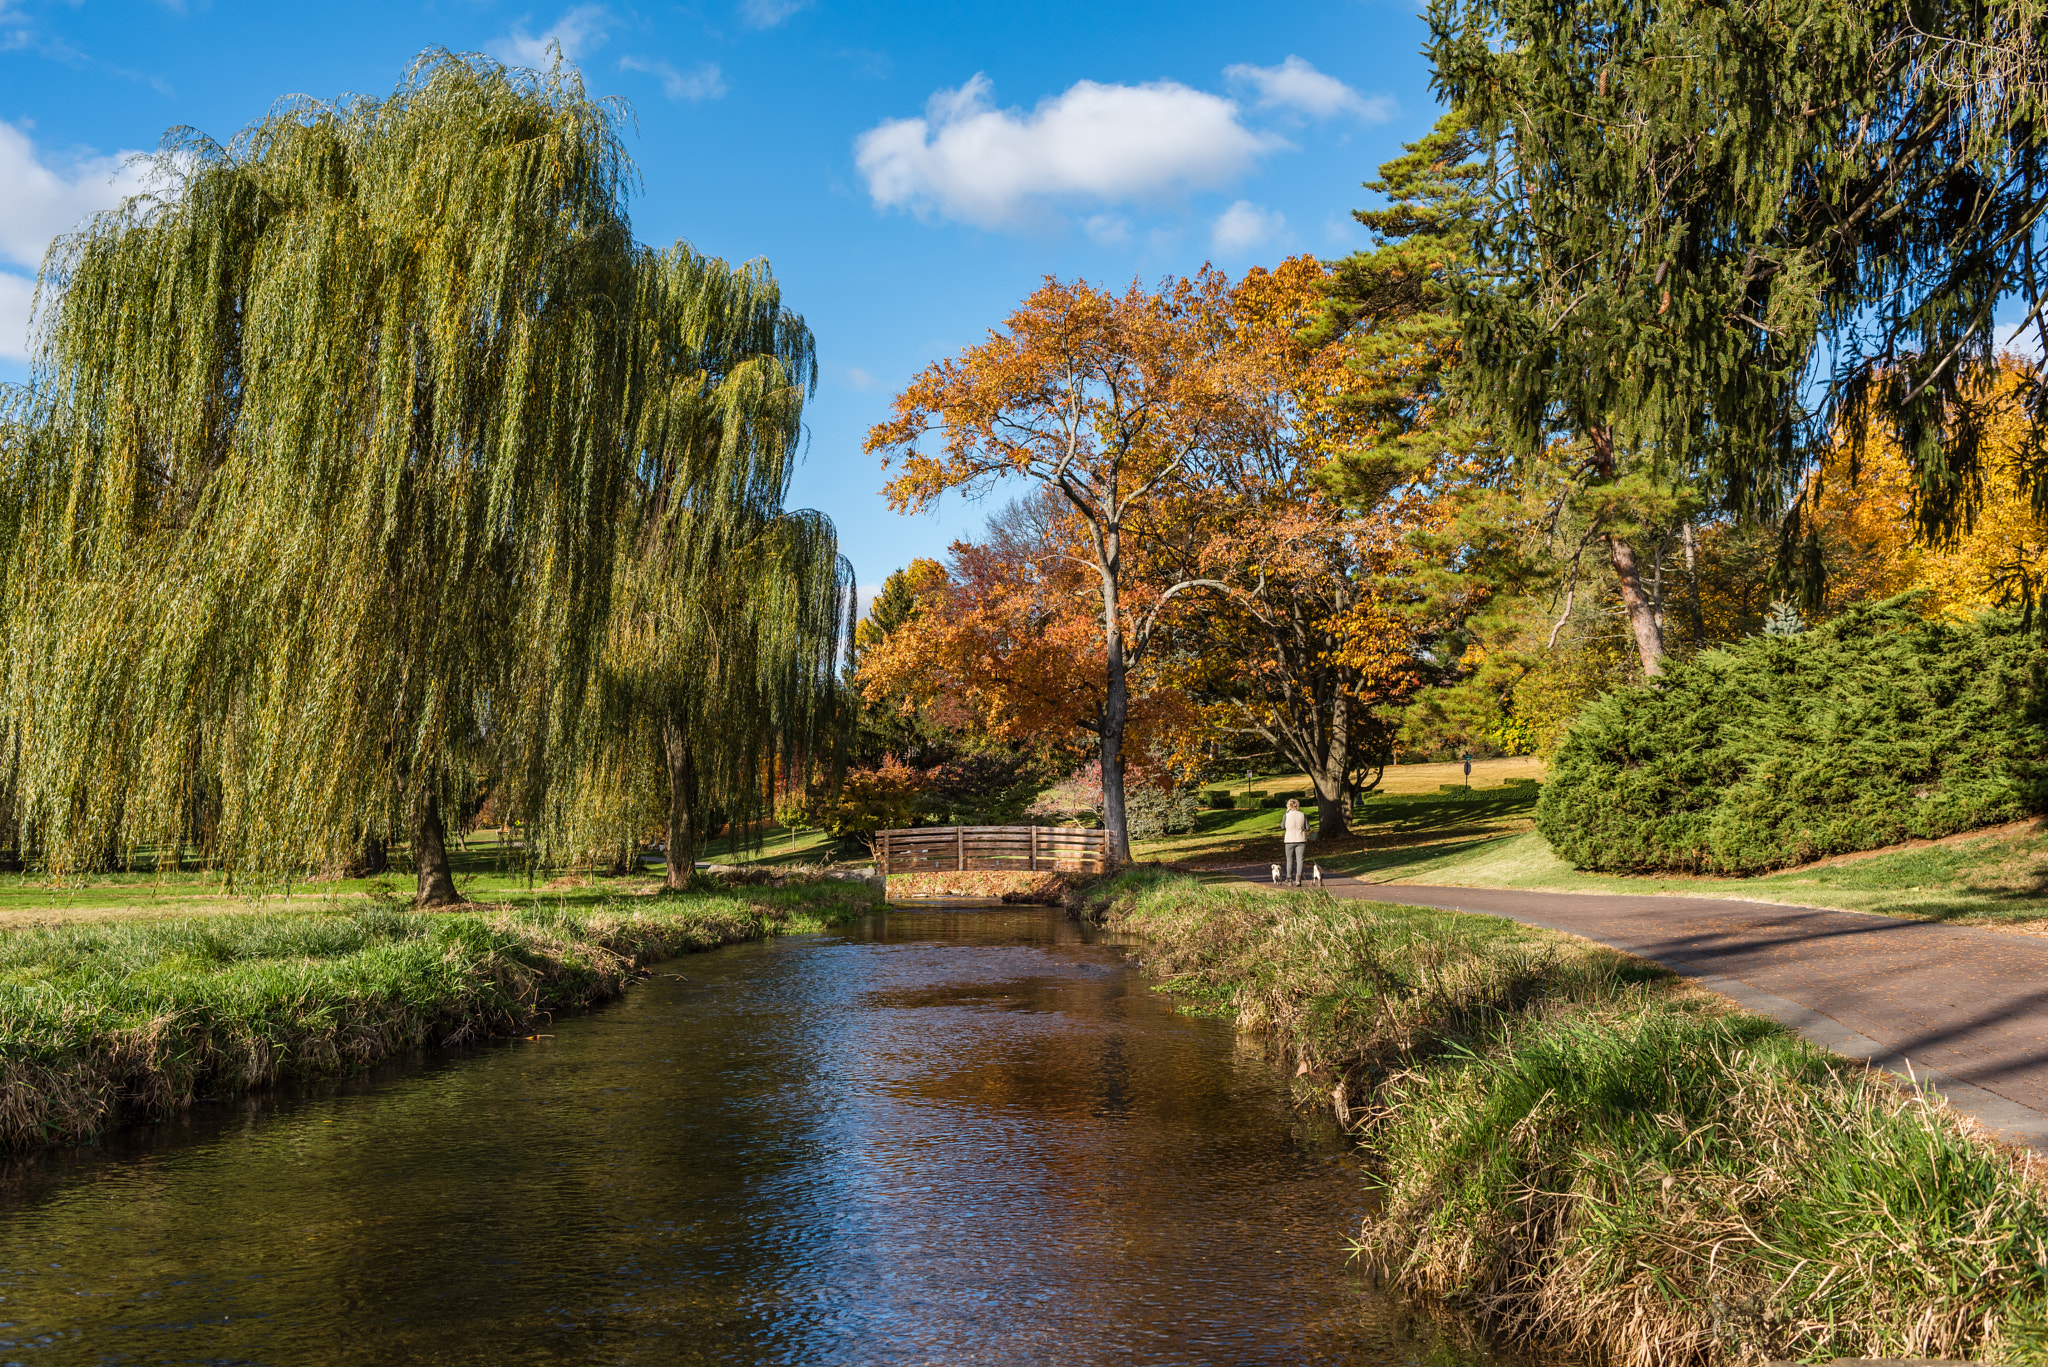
(1006, 643)
(1315, 636)
(1113, 403)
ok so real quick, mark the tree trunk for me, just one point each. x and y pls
(1692, 576)
(1333, 766)
(1642, 613)
(1116, 708)
(370, 859)
(430, 857)
(682, 837)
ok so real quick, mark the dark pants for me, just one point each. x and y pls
(1291, 870)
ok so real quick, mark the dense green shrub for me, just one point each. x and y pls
(1219, 800)
(1876, 727)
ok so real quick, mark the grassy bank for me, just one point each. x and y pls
(1579, 1150)
(108, 1023)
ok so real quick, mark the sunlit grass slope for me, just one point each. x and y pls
(1484, 838)
(1579, 1149)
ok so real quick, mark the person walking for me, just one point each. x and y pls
(1294, 839)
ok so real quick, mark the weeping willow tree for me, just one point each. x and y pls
(718, 691)
(335, 449)
(720, 671)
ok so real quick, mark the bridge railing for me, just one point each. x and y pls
(924, 849)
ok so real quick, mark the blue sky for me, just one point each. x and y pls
(910, 170)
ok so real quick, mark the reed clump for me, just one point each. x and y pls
(109, 1023)
(1579, 1150)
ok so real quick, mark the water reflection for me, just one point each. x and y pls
(965, 1137)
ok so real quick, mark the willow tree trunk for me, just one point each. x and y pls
(370, 858)
(682, 835)
(430, 857)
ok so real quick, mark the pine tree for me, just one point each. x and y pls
(1720, 235)
(1783, 619)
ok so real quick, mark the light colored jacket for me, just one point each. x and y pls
(1294, 828)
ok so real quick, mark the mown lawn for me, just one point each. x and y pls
(486, 871)
(1485, 838)
(1408, 818)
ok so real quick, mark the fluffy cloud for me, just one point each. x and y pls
(769, 13)
(43, 199)
(967, 160)
(1107, 229)
(1296, 85)
(576, 32)
(1245, 226)
(703, 81)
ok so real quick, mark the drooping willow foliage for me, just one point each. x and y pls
(343, 457)
(714, 697)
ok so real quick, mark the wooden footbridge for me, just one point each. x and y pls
(928, 849)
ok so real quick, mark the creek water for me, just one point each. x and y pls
(938, 1136)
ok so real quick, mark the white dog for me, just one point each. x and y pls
(1276, 873)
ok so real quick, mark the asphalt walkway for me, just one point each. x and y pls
(1959, 1008)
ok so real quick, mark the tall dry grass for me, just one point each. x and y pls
(1578, 1150)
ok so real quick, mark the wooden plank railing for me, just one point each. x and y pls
(921, 849)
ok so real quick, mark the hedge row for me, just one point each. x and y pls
(1877, 727)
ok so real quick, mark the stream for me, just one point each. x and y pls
(936, 1136)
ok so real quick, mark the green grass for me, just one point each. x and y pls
(485, 872)
(1485, 839)
(1995, 880)
(110, 1022)
(1389, 828)
(1580, 1150)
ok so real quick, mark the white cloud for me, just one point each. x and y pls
(703, 81)
(769, 13)
(1296, 85)
(967, 160)
(16, 292)
(1107, 229)
(40, 199)
(576, 32)
(859, 378)
(1245, 226)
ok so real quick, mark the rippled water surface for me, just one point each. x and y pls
(939, 1137)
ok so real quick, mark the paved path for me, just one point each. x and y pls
(1962, 1008)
